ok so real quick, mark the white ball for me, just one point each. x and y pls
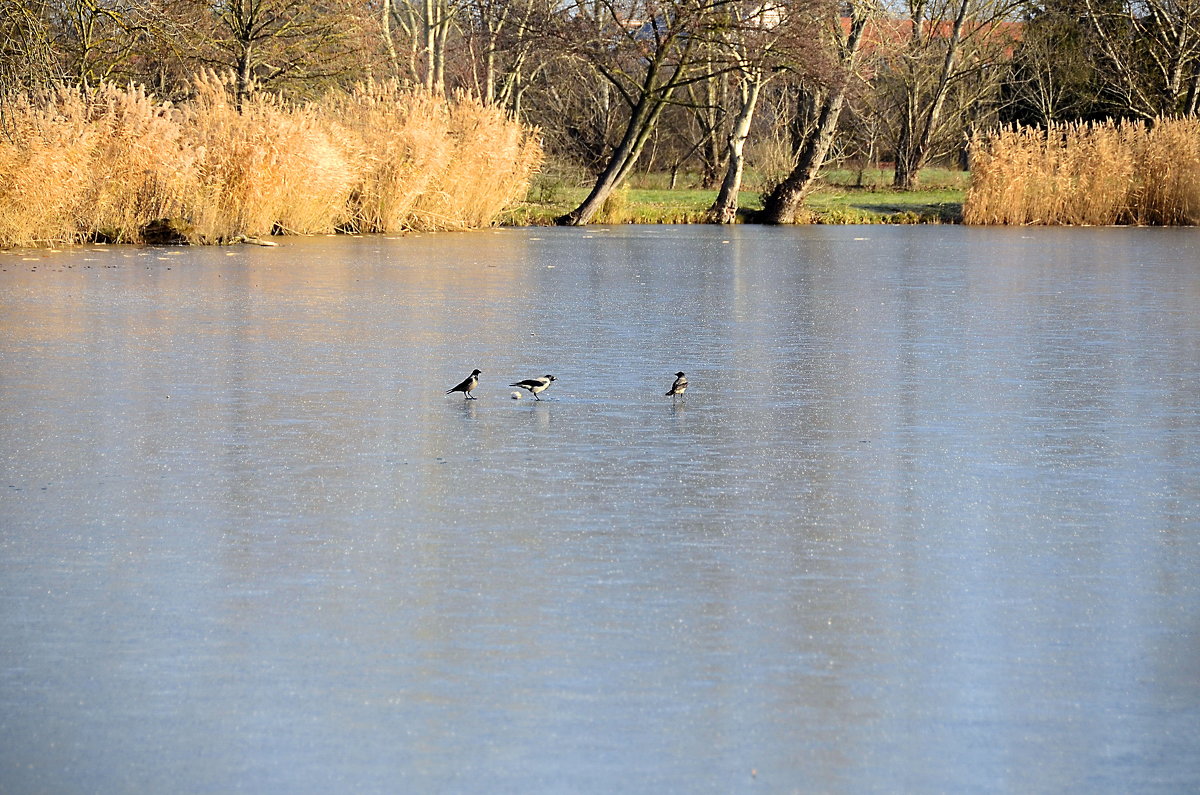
(516, 395)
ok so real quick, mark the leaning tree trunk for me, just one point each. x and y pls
(652, 98)
(724, 209)
(783, 204)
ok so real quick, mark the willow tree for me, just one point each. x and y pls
(784, 201)
(939, 45)
(273, 42)
(645, 51)
(1149, 55)
(760, 40)
(427, 26)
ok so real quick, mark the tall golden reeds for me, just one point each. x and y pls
(1088, 174)
(46, 158)
(268, 167)
(431, 164)
(105, 165)
(402, 142)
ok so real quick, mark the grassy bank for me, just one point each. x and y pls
(844, 197)
(114, 163)
(1094, 174)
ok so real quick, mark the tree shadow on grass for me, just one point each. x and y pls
(935, 212)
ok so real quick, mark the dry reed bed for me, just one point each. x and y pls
(77, 167)
(1088, 174)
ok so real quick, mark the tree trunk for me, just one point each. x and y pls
(783, 204)
(389, 42)
(724, 209)
(489, 74)
(439, 62)
(1192, 103)
(905, 175)
(245, 79)
(429, 42)
(713, 153)
(435, 29)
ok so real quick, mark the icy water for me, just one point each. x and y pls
(927, 519)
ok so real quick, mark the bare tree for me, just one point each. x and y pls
(711, 117)
(577, 111)
(274, 42)
(503, 48)
(764, 40)
(27, 57)
(751, 40)
(645, 51)
(1051, 76)
(947, 41)
(105, 40)
(724, 208)
(1150, 53)
(783, 203)
(427, 25)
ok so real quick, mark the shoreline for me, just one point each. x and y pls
(828, 204)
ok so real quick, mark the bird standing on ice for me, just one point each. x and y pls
(677, 388)
(535, 385)
(466, 386)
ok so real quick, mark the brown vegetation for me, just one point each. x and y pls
(107, 164)
(1098, 174)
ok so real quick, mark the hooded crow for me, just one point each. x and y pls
(679, 387)
(535, 385)
(466, 386)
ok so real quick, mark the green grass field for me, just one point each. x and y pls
(838, 200)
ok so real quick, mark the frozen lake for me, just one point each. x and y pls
(927, 519)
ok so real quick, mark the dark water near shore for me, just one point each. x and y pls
(927, 520)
